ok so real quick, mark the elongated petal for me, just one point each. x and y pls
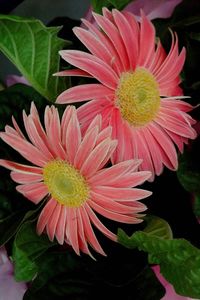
(89, 233)
(122, 193)
(45, 215)
(84, 92)
(26, 149)
(99, 225)
(33, 191)
(72, 233)
(93, 65)
(24, 178)
(20, 167)
(60, 227)
(52, 223)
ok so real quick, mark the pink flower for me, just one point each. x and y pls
(170, 292)
(9, 288)
(138, 93)
(13, 79)
(69, 173)
(153, 9)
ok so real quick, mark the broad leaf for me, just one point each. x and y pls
(179, 260)
(119, 4)
(27, 248)
(33, 49)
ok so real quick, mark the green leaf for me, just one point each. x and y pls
(10, 225)
(27, 248)
(33, 49)
(97, 5)
(179, 260)
(119, 4)
(158, 227)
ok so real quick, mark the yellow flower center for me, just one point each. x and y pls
(138, 97)
(65, 183)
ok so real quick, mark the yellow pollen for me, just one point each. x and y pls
(138, 97)
(65, 183)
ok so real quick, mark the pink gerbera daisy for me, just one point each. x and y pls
(138, 94)
(69, 173)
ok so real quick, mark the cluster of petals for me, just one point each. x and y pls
(153, 9)
(111, 191)
(121, 45)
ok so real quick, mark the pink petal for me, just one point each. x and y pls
(17, 128)
(53, 130)
(81, 235)
(113, 215)
(143, 153)
(93, 65)
(65, 122)
(89, 233)
(113, 34)
(33, 191)
(183, 106)
(71, 230)
(73, 72)
(170, 72)
(36, 139)
(110, 175)
(116, 122)
(104, 134)
(130, 40)
(86, 146)
(94, 44)
(25, 178)
(45, 215)
(60, 228)
(95, 158)
(73, 131)
(116, 61)
(96, 122)
(26, 149)
(97, 223)
(147, 42)
(19, 167)
(167, 148)
(52, 223)
(83, 92)
(122, 193)
(154, 151)
(111, 205)
(132, 180)
(175, 126)
(158, 58)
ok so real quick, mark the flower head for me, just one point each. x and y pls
(138, 93)
(9, 288)
(69, 172)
